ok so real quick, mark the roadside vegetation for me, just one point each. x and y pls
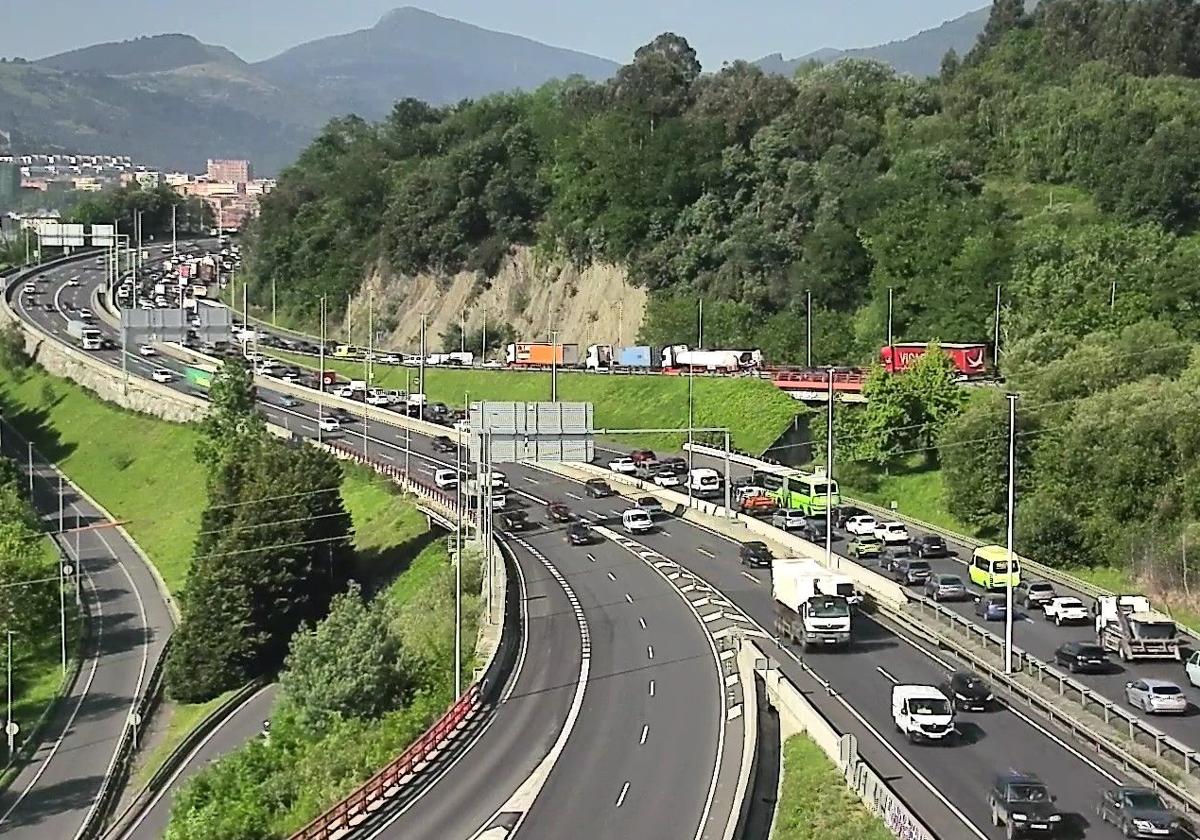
(815, 802)
(756, 412)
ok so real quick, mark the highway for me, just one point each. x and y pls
(54, 794)
(947, 787)
(668, 648)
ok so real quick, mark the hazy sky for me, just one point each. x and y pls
(257, 29)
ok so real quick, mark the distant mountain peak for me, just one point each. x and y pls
(144, 54)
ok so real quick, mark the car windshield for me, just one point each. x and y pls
(994, 604)
(1028, 793)
(1089, 650)
(1166, 690)
(918, 566)
(868, 540)
(950, 580)
(828, 607)
(928, 706)
(1144, 801)
(756, 546)
(1040, 587)
(1070, 602)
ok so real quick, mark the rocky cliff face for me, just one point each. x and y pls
(532, 293)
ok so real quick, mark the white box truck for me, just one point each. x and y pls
(808, 608)
(87, 336)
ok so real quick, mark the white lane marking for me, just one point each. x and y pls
(887, 676)
(532, 480)
(611, 576)
(750, 577)
(649, 651)
(188, 761)
(628, 597)
(651, 688)
(707, 553)
(529, 790)
(535, 498)
(642, 622)
(595, 515)
(512, 684)
(592, 558)
(573, 496)
(645, 732)
(621, 798)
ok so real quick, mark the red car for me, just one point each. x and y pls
(641, 455)
(757, 505)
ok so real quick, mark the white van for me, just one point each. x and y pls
(446, 479)
(636, 521)
(329, 424)
(704, 482)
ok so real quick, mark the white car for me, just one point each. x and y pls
(636, 521)
(748, 490)
(389, 359)
(345, 391)
(1193, 669)
(667, 479)
(162, 375)
(86, 315)
(1066, 610)
(446, 479)
(892, 533)
(147, 351)
(862, 526)
(625, 466)
(378, 399)
(329, 424)
(73, 283)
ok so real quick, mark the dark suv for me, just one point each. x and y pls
(1021, 802)
(755, 553)
(910, 571)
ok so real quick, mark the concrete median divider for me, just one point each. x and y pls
(798, 715)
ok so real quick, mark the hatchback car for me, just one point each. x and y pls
(946, 588)
(666, 477)
(329, 424)
(578, 533)
(755, 553)
(814, 530)
(162, 375)
(892, 533)
(862, 525)
(147, 351)
(442, 443)
(624, 466)
(514, 520)
(968, 692)
(1034, 594)
(288, 401)
(558, 512)
(789, 519)
(1156, 697)
(911, 572)
(1066, 610)
(843, 514)
(1082, 657)
(867, 545)
(991, 607)
(649, 504)
(597, 488)
(930, 545)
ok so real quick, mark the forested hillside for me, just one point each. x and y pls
(1059, 161)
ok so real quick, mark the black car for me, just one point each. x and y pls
(968, 692)
(930, 545)
(1022, 803)
(676, 465)
(597, 488)
(442, 443)
(755, 553)
(814, 529)
(558, 512)
(842, 514)
(513, 520)
(578, 533)
(1141, 812)
(1082, 657)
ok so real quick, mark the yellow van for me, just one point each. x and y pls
(989, 567)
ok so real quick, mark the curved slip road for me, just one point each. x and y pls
(128, 624)
(532, 715)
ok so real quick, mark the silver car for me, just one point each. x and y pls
(946, 588)
(1156, 696)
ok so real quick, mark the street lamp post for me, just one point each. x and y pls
(321, 372)
(1008, 589)
(458, 547)
(9, 726)
(553, 365)
(829, 476)
(808, 327)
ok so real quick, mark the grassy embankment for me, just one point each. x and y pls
(756, 412)
(143, 471)
(815, 801)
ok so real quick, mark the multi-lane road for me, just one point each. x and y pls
(606, 781)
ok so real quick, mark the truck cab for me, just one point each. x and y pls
(923, 714)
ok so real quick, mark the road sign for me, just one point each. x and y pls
(67, 569)
(135, 718)
(11, 728)
(531, 431)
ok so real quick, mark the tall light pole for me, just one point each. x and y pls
(424, 401)
(462, 331)
(483, 343)
(996, 330)
(700, 325)
(808, 328)
(553, 365)
(1008, 589)
(458, 545)
(691, 425)
(174, 248)
(829, 476)
(62, 594)
(274, 307)
(321, 373)
(9, 726)
(891, 341)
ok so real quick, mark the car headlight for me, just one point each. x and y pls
(1056, 818)
(1143, 825)
(1020, 817)
(990, 698)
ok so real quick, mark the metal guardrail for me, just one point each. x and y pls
(373, 794)
(1137, 731)
(370, 796)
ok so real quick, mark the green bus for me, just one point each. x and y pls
(199, 377)
(797, 489)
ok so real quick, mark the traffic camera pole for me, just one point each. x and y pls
(1008, 589)
(829, 476)
(458, 552)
